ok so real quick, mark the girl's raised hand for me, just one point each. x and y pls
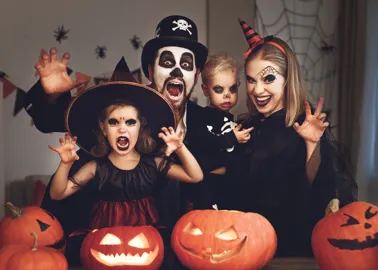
(66, 151)
(173, 141)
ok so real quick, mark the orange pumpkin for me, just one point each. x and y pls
(20, 257)
(16, 228)
(212, 239)
(348, 238)
(122, 247)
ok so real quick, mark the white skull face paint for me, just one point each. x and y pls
(174, 73)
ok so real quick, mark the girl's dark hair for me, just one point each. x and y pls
(145, 144)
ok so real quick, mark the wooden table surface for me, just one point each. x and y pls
(279, 264)
(292, 264)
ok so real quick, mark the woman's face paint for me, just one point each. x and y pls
(265, 86)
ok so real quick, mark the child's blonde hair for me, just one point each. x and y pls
(216, 63)
(294, 92)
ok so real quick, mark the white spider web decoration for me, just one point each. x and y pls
(308, 26)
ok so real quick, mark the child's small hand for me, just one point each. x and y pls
(66, 150)
(243, 135)
(173, 141)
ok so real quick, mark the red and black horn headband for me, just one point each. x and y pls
(254, 40)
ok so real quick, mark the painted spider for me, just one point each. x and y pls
(100, 51)
(327, 48)
(61, 34)
(136, 42)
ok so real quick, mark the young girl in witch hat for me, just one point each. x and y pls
(121, 123)
(291, 167)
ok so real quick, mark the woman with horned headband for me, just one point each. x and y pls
(291, 167)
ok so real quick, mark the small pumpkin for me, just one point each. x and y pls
(212, 239)
(21, 257)
(16, 228)
(347, 238)
(139, 247)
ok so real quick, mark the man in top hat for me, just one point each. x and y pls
(172, 61)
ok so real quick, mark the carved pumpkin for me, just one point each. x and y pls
(139, 247)
(16, 228)
(21, 257)
(212, 239)
(347, 238)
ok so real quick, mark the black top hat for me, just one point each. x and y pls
(85, 109)
(178, 31)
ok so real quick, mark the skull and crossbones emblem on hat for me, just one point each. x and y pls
(182, 24)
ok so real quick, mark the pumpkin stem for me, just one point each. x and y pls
(215, 207)
(35, 241)
(16, 212)
(332, 207)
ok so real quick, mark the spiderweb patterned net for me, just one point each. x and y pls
(309, 27)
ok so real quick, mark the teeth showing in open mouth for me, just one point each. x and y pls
(123, 143)
(175, 89)
(263, 100)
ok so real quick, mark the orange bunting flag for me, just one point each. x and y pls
(83, 78)
(137, 75)
(8, 87)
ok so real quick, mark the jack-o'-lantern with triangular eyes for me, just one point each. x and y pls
(347, 238)
(122, 247)
(17, 227)
(212, 239)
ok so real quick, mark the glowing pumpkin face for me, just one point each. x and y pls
(16, 228)
(130, 247)
(348, 238)
(212, 239)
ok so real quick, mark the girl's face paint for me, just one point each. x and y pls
(121, 128)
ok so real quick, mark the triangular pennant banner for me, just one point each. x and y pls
(82, 77)
(98, 80)
(3, 74)
(19, 103)
(8, 87)
(137, 75)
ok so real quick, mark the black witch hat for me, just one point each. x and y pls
(82, 116)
